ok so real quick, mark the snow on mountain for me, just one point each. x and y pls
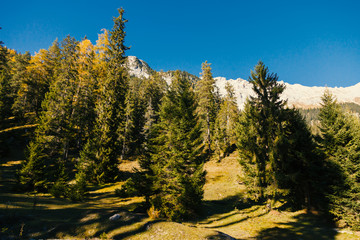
(296, 94)
(242, 88)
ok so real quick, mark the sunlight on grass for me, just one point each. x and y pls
(223, 215)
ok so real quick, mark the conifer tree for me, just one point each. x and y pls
(177, 157)
(128, 126)
(277, 151)
(4, 97)
(19, 64)
(99, 158)
(33, 87)
(225, 123)
(149, 95)
(259, 123)
(207, 109)
(12, 74)
(48, 152)
(5, 88)
(340, 142)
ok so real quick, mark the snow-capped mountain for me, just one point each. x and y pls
(296, 94)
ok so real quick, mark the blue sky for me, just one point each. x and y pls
(314, 43)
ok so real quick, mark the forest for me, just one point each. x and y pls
(75, 114)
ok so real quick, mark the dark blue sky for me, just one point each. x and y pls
(314, 43)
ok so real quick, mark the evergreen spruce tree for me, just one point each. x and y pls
(300, 167)
(5, 88)
(5, 100)
(340, 142)
(12, 72)
(259, 124)
(99, 158)
(177, 157)
(129, 125)
(149, 95)
(19, 65)
(41, 72)
(225, 123)
(33, 87)
(207, 107)
(53, 137)
(278, 154)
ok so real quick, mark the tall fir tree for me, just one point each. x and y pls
(65, 121)
(340, 141)
(5, 87)
(19, 65)
(51, 144)
(99, 158)
(207, 107)
(177, 157)
(278, 154)
(260, 121)
(32, 89)
(225, 123)
(146, 118)
(4, 95)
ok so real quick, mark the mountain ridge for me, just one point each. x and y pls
(296, 94)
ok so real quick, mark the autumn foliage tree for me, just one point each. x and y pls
(99, 158)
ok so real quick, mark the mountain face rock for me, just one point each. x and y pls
(137, 67)
(297, 95)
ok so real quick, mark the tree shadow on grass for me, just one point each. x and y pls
(225, 207)
(96, 222)
(305, 226)
(67, 219)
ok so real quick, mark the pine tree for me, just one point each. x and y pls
(300, 167)
(149, 93)
(85, 94)
(129, 125)
(19, 64)
(12, 72)
(57, 126)
(278, 155)
(99, 158)
(225, 123)
(177, 158)
(340, 142)
(4, 95)
(259, 123)
(5, 87)
(207, 109)
(33, 86)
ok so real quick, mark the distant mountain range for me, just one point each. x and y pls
(297, 95)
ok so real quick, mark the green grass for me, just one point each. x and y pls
(224, 213)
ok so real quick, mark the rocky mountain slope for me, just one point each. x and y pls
(296, 94)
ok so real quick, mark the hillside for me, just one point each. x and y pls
(296, 94)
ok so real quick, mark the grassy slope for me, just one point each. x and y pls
(223, 215)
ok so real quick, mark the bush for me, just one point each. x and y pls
(77, 191)
(129, 189)
(74, 192)
(59, 189)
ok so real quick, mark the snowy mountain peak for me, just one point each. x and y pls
(296, 94)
